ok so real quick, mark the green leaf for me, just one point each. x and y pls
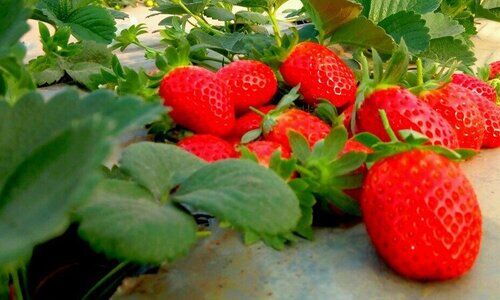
(409, 26)
(442, 25)
(170, 7)
(219, 13)
(443, 49)
(342, 201)
(300, 146)
(36, 197)
(373, 35)
(45, 70)
(347, 163)
(248, 196)
(159, 167)
(397, 66)
(332, 145)
(490, 4)
(124, 222)
(367, 139)
(327, 16)
(283, 167)
(253, 17)
(307, 201)
(381, 9)
(13, 25)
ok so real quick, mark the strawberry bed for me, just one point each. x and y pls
(250, 150)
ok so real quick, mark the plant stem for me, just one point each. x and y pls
(420, 73)
(277, 33)
(17, 285)
(104, 279)
(199, 19)
(387, 126)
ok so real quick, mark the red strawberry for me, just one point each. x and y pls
(250, 82)
(199, 100)
(311, 127)
(491, 114)
(320, 73)
(208, 147)
(494, 69)
(249, 121)
(455, 104)
(404, 111)
(476, 85)
(347, 116)
(265, 149)
(422, 215)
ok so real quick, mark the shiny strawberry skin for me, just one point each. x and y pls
(320, 73)
(310, 126)
(422, 215)
(404, 111)
(491, 114)
(208, 147)
(250, 83)
(265, 149)
(248, 122)
(494, 69)
(199, 100)
(476, 85)
(455, 104)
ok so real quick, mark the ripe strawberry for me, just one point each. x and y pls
(208, 147)
(494, 69)
(476, 85)
(250, 83)
(347, 116)
(249, 121)
(404, 111)
(454, 103)
(320, 73)
(491, 114)
(422, 215)
(199, 100)
(265, 149)
(310, 126)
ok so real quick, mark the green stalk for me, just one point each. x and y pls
(104, 279)
(17, 285)
(420, 73)
(277, 33)
(199, 19)
(387, 126)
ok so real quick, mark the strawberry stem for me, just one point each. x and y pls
(387, 126)
(277, 33)
(255, 110)
(204, 24)
(420, 72)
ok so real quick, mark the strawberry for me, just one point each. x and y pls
(491, 114)
(310, 126)
(494, 70)
(404, 111)
(320, 73)
(422, 215)
(250, 83)
(263, 150)
(454, 103)
(199, 100)
(249, 121)
(208, 147)
(476, 85)
(346, 118)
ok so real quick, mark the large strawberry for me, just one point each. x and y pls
(422, 215)
(249, 121)
(491, 114)
(208, 147)
(476, 85)
(250, 83)
(454, 103)
(320, 73)
(404, 110)
(494, 70)
(199, 100)
(263, 150)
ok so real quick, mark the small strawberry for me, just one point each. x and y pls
(476, 85)
(208, 147)
(422, 215)
(491, 114)
(320, 73)
(494, 70)
(199, 100)
(454, 103)
(250, 83)
(263, 150)
(404, 110)
(248, 122)
(310, 126)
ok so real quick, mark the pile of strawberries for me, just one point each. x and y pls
(420, 210)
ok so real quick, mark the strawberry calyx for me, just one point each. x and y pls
(327, 171)
(276, 54)
(410, 140)
(430, 79)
